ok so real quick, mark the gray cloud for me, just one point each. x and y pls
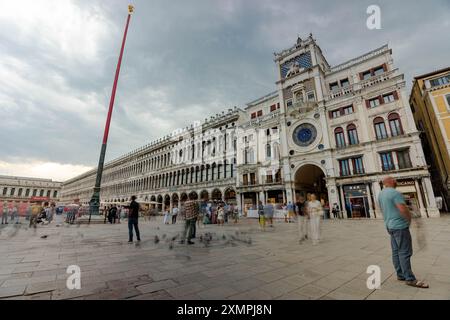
(184, 60)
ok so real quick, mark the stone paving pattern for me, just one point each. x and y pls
(273, 266)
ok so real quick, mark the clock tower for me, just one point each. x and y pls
(305, 142)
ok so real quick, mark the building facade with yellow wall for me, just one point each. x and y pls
(430, 104)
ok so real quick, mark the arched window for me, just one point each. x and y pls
(352, 134)
(268, 151)
(339, 136)
(380, 128)
(395, 124)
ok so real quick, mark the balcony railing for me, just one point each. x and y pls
(377, 79)
(342, 92)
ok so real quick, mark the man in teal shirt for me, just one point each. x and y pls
(397, 219)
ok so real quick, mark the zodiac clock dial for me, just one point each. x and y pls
(305, 134)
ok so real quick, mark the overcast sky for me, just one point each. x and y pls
(184, 60)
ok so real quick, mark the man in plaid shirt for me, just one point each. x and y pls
(191, 211)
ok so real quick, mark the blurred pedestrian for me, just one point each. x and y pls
(220, 215)
(302, 220)
(291, 211)
(397, 219)
(36, 210)
(174, 214)
(166, 215)
(133, 220)
(261, 218)
(335, 210)
(5, 213)
(191, 211)
(15, 215)
(268, 213)
(315, 213)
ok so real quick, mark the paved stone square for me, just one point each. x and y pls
(240, 262)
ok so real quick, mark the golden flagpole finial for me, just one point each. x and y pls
(130, 9)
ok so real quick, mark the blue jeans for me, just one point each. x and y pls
(402, 251)
(133, 222)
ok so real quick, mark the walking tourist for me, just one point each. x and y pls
(166, 215)
(315, 213)
(397, 219)
(28, 212)
(35, 212)
(191, 211)
(268, 213)
(301, 220)
(220, 215)
(285, 212)
(47, 211)
(133, 219)
(335, 210)
(51, 212)
(261, 218)
(15, 215)
(291, 211)
(112, 213)
(174, 214)
(119, 213)
(5, 213)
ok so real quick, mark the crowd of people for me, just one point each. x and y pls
(36, 213)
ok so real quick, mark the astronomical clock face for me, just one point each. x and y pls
(304, 135)
(300, 62)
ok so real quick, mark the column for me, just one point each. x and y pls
(262, 196)
(423, 211)
(170, 203)
(293, 199)
(376, 191)
(284, 196)
(239, 202)
(343, 207)
(369, 199)
(432, 210)
(333, 196)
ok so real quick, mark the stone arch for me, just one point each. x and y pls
(204, 195)
(311, 178)
(193, 195)
(230, 196)
(216, 195)
(183, 197)
(160, 200)
(175, 200)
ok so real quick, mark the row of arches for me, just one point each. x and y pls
(198, 174)
(173, 200)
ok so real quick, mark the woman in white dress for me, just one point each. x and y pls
(315, 212)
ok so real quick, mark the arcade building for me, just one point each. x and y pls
(336, 131)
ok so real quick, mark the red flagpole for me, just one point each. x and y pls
(116, 79)
(95, 200)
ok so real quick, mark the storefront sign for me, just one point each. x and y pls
(40, 199)
(408, 182)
